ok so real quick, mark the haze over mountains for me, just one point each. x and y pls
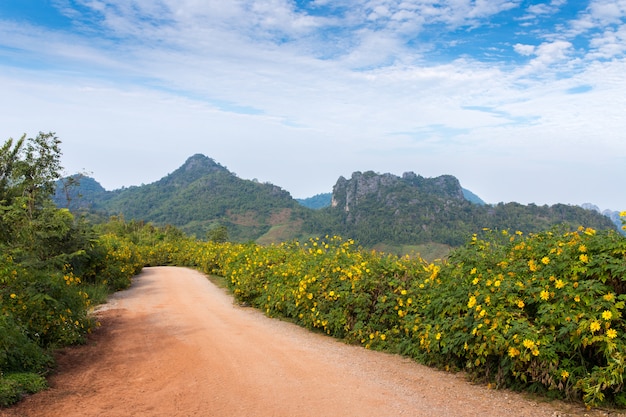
(375, 209)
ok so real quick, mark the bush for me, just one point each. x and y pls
(538, 312)
(13, 386)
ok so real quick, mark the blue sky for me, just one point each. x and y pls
(520, 100)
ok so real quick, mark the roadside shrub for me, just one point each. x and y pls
(13, 386)
(118, 261)
(541, 312)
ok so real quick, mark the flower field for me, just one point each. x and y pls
(539, 312)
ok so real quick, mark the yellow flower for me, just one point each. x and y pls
(564, 374)
(559, 284)
(513, 352)
(584, 258)
(438, 336)
(607, 315)
(582, 248)
(532, 265)
(611, 333)
(372, 336)
(544, 295)
(608, 297)
(594, 326)
(528, 344)
(545, 260)
(472, 302)
(622, 213)
(13, 295)
(577, 299)
(520, 304)
(383, 336)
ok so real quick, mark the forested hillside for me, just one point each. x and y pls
(411, 209)
(378, 210)
(200, 197)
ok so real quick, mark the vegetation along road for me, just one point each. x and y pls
(174, 344)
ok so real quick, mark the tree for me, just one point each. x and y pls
(218, 234)
(30, 226)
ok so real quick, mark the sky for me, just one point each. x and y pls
(520, 100)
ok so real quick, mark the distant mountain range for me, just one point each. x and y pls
(375, 209)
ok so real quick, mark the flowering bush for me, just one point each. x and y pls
(540, 312)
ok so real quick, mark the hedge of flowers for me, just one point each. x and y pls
(41, 310)
(541, 312)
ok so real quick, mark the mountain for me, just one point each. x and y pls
(611, 214)
(318, 201)
(78, 192)
(384, 208)
(202, 195)
(378, 210)
(473, 198)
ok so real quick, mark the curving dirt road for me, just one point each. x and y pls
(175, 345)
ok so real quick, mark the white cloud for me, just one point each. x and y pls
(273, 93)
(525, 50)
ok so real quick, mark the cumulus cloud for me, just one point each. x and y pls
(267, 87)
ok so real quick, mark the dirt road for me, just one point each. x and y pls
(176, 345)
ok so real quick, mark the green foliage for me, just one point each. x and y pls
(46, 254)
(218, 234)
(540, 311)
(13, 386)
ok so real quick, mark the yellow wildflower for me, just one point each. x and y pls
(544, 295)
(559, 284)
(611, 333)
(472, 302)
(513, 352)
(13, 295)
(545, 260)
(520, 304)
(577, 299)
(383, 336)
(609, 296)
(607, 315)
(594, 326)
(564, 374)
(438, 336)
(532, 265)
(584, 258)
(582, 248)
(528, 344)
